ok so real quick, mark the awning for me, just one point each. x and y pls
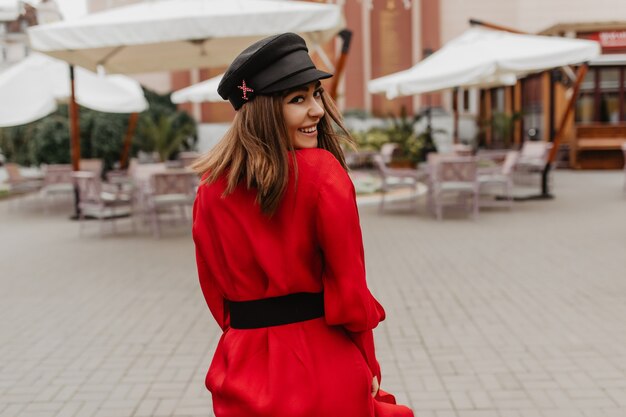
(31, 89)
(180, 34)
(485, 57)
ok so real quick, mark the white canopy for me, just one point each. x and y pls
(30, 90)
(9, 10)
(180, 34)
(200, 92)
(484, 57)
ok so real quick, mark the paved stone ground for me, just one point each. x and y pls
(515, 314)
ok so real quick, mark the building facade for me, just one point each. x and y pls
(15, 17)
(393, 35)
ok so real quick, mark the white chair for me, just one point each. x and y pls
(456, 177)
(140, 175)
(18, 183)
(57, 181)
(392, 179)
(188, 158)
(531, 162)
(92, 165)
(501, 180)
(100, 201)
(170, 189)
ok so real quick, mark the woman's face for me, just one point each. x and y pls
(303, 109)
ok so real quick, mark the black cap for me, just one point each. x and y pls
(268, 66)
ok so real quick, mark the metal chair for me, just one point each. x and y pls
(100, 201)
(531, 162)
(170, 189)
(454, 176)
(392, 179)
(57, 181)
(502, 179)
(19, 184)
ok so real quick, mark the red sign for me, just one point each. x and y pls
(609, 39)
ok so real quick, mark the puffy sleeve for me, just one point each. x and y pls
(211, 292)
(347, 300)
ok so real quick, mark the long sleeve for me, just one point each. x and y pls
(211, 292)
(347, 300)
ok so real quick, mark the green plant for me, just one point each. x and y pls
(51, 139)
(105, 139)
(101, 134)
(356, 113)
(413, 146)
(16, 144)
(166, 133)
(372, 140)
(502, 125)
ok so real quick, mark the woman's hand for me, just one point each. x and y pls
(375, 387)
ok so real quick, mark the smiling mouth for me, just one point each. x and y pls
(308, 130)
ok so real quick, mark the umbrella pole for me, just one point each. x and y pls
(455, 109)
(132, 124)
(476, 22)
(580, 76)
(545, 191)
(346, 36)
(75, 139)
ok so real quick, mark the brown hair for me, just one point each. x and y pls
(256, 147)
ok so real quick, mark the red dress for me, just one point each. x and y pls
(316, 368)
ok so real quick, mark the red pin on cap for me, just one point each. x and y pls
(245, 89)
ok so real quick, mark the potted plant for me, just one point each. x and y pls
(502, 125)
(413, 147)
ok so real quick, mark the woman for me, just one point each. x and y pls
(279, 249)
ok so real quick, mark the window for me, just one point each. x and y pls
(601, 98)
(532, 106)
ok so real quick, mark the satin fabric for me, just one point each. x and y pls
(315, 368)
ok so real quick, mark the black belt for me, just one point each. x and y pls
(275, 311)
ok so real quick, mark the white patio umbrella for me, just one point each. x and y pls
(31, 89)
(485, 57)
(180, 34)
(200, 92)
(9, 10)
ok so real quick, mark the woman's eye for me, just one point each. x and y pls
(297, 99)
(318, 92)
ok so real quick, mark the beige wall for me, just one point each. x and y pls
(536, 15)
(455, 14)
(527, 15)
(156, 81)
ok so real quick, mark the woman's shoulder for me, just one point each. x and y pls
(212, 187)
(324, 168)
(319, 158)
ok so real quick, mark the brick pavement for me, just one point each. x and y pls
(516, 314)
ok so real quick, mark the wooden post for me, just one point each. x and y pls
(346, 36)
(476, 22)
(517, 109)
(455, 109)
(74, 125)
(546, 92)
(508, 110)
(74, 141)
(488, 130)
(582, 71)
(130, 131)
